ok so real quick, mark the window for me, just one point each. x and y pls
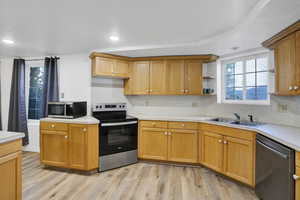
(34, 90)
(246, 80)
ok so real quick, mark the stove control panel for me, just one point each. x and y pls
(109, 107)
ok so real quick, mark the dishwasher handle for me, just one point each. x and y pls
(273, 150)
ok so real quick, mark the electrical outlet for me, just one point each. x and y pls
(194, 104)
(282, 107)
(62, 95)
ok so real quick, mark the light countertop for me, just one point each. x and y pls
(6, 136)
(80, 120)
(287, 135)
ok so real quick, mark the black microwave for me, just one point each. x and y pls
(69, 110)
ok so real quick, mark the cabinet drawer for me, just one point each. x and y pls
(154, 124)
(183, 125)
(10, 147)
(227, 131)
(54, 126)
(298, 159)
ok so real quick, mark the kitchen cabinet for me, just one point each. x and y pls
(297, 176)
(72, 146)
(10, 170)
(183, 145)
(153, 143)
(229, 151)
(110, 67)
(193, 77)
(175, 80)
(157, 77)
(178, 143)
(212, 150)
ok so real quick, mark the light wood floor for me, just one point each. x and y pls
(140, 181)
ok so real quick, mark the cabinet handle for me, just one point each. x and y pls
(153, 123)
(186, 91)
(225, 142)
(170, 133)
(290, 88)
(84, 129)
(220, 141)
(151, 90)
(295, 177)
(166, 133)
(182, 125)
(296, 87)
(52, 126)
(66, 137)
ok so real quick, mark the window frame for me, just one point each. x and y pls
(28, 66)
(243, 59)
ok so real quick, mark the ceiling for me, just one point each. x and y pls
(145, 28)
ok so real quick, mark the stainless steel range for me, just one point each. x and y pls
(117, 135)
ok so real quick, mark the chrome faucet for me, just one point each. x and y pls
(250, 118)
(238, 117)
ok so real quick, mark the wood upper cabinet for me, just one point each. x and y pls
(183, 145)
(110, 67)
(297, 62)
(212, 150)
(139, 78)
(54, 148)
(238, 159)
(76, 148)
(285, 52)
(153, 143)
(158, 76)
(193, 77)
(77, 145)
(10, 171)
(175, 77)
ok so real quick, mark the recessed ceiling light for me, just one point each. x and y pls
(6, 41)
(114, 38)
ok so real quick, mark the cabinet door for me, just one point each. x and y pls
(298, 62)
(11, 177)
(102, 66)
(54, 148)
(238, 159)
(153, 143)
(175, 77)
(183, 146)
(140, 78)
(77, 146)
(212, 150)
(121, 68)
(285, 66)
(297, 184)
(193, 77)
(158, 77)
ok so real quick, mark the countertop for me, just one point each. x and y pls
(80, 120)
(6, 136)
(287, 135)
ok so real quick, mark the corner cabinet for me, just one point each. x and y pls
(72, 146)
(286, 46)
(10, 170)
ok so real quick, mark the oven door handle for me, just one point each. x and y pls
(119, 123)
(273, 150)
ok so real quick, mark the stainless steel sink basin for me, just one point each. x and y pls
(224, 120)
(245, 123)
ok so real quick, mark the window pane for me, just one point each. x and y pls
(251, 93)
(234, 93)
(238, 67)
(250, 65)
(238, 80)
(250, 79)
(229, 81)
(35, 92)
(262, 64)
(230, 68)
(262, 78)
(262, 92)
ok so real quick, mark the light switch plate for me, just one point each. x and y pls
(282, 107)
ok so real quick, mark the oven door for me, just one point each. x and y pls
(118, 137)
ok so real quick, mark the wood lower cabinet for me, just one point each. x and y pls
(76, 147)
(297, 184)
(10, 171)
(212, 150)
(54, 148)
(183, 146)
(238, 159)
(153, 143)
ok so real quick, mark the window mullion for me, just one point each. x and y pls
(244, 79)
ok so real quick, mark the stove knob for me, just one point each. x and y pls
(97, 106)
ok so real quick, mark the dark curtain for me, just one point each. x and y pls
(17, 120)
(51, 87)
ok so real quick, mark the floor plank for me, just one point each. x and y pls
(141, 181)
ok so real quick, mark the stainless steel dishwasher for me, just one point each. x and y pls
(275, 166)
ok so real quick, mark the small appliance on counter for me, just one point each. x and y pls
(118, 135)
(68, 110)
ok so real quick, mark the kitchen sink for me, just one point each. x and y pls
(224, 120)
(232, 121)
